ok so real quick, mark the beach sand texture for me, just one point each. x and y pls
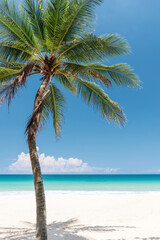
(83, 215)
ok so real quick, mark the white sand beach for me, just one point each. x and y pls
(83, 215)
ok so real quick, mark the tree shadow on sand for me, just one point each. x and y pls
(68, 230)
(150, 238)
(16, 233)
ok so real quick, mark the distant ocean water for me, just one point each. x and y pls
(82, 183)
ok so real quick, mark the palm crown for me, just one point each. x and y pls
(55, 41)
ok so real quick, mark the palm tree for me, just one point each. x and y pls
(53, 39)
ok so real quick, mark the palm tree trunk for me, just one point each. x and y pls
(41, 227)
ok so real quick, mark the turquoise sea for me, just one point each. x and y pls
(83, 182)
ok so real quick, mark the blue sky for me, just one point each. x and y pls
(100, 146)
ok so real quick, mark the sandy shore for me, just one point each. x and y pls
(83, 216)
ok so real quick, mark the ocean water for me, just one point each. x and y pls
(83, 183)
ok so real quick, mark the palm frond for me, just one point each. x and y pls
(43, 118)
(6, 73)
(90, 48)
(66, 20)
(85, 72)
(14, 51)
(11, 64)
(36, 18)
(80, 18)
(15, 26)
(97, 98)
(66, 81)
(54, 18)
(9, 85)
(54, 105)
(120, 74)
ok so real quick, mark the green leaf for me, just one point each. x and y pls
(81, 14)
(54, 105)
(14, 51)
(36, 18)
(54, 18)
(97, 98)
(66, 20)
(7, 73)
(119, 74)
(11, 79)
(15, 26)
(66, 81)
(90, 48)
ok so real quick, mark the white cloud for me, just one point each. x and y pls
(51, 165)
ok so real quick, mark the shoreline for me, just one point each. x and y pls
(81, 192)
(83, 215)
